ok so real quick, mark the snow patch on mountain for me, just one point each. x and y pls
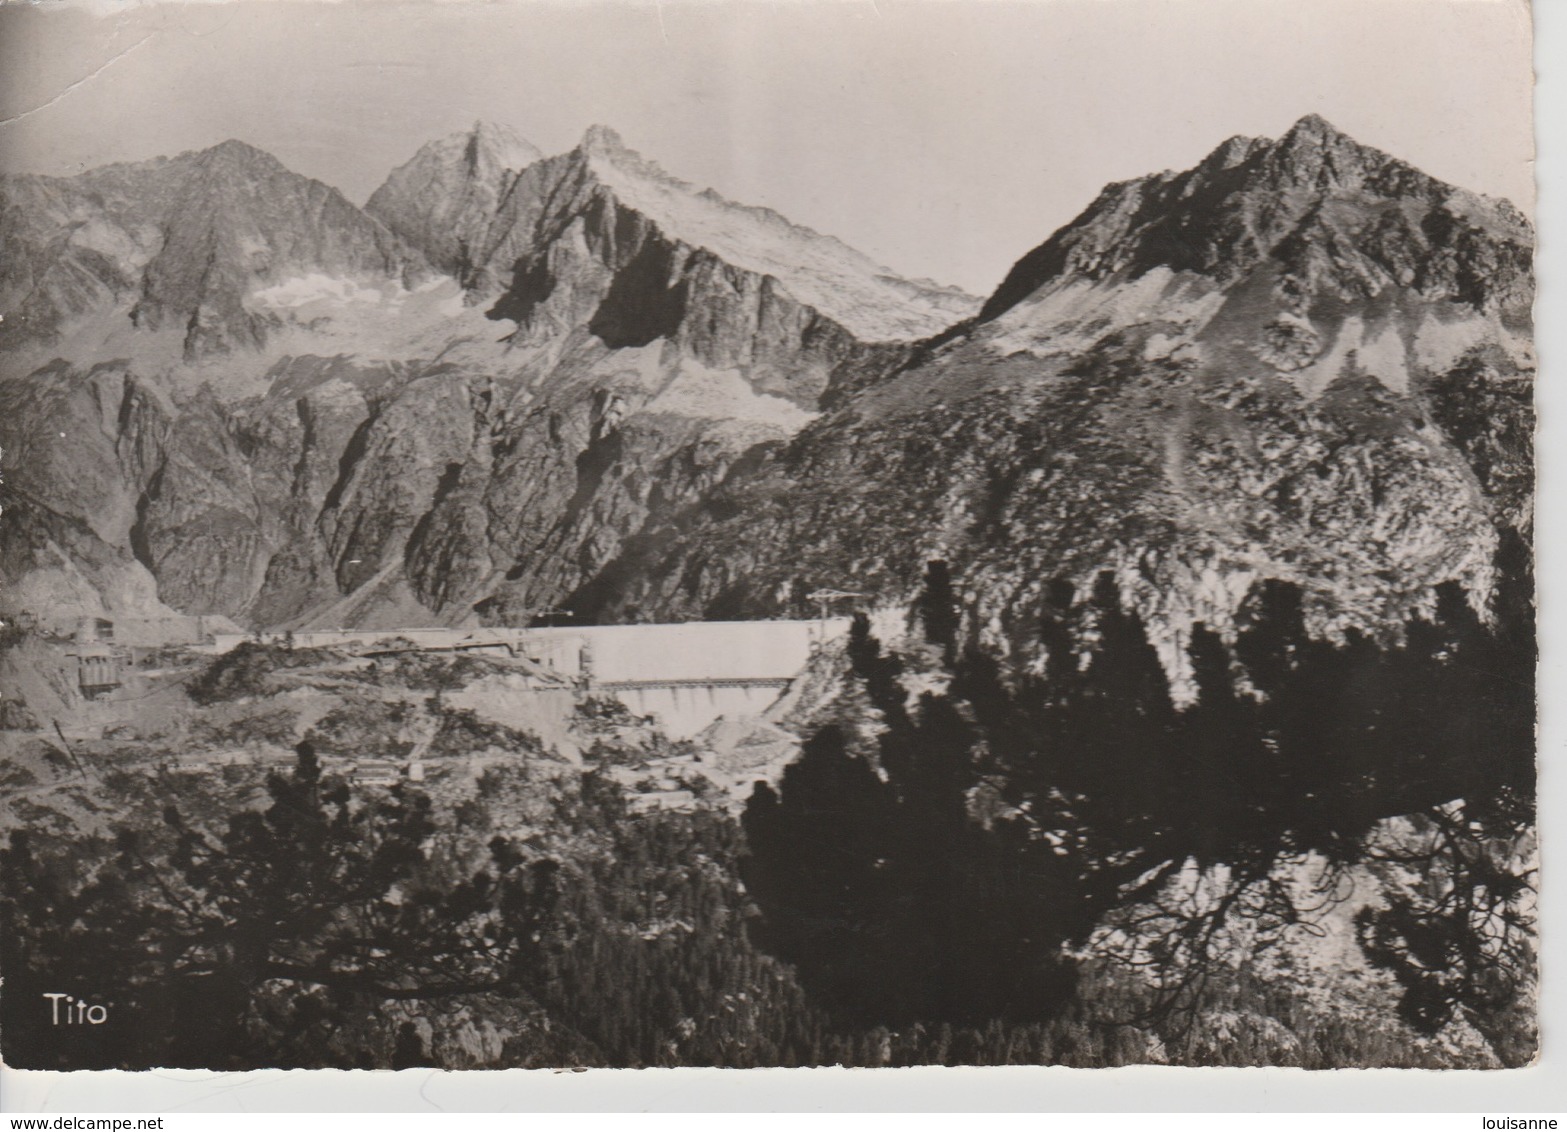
(1074, 315)
(1444, 335)
(1377, 351)
(303, 290)
(713, 394)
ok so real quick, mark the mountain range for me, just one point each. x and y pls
(513, 383)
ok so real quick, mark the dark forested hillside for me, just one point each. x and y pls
(955, 868)
(1006, 866)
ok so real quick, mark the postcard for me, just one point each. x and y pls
(756, 535)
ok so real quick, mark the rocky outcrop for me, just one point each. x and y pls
(240, 220)
(70, 250)
(74, 480)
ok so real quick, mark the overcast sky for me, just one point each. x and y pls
(943, 139)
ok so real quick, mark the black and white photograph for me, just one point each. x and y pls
(752, 535)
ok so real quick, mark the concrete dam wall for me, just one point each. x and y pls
(687, 674)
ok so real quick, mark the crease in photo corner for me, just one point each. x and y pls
(85, 79)
(687, 1073)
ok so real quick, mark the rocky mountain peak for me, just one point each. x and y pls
(502, 234)
(872, 302)
(604, 141)
(1230, 153)
(1325, 214)
(1315, 130)
(444, 199)
(490, 145)
(482, 152)
(1314, 154)
(606, 156)
(237, 157)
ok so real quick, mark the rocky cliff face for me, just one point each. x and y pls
(643, 337)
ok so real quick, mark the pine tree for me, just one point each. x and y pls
(823, 865)
(339, 901)
(937, 609)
